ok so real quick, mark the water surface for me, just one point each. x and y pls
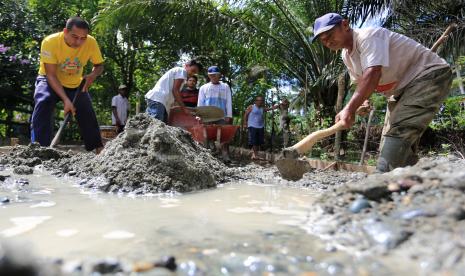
(242, 227)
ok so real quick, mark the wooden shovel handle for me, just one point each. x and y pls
(307, 143)
(443, 37)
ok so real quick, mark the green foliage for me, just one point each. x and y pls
(18, 61)
(259, 45)
(461, 60)
(280, 31)
(371, 162)
(451, 115)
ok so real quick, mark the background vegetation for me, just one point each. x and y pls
(262, 47)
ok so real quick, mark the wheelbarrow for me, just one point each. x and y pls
(197, 124)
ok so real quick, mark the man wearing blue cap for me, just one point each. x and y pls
(394, 65)
(217, 93)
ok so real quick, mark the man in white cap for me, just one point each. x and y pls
(120, 108)
(394, 65)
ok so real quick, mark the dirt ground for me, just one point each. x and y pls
(415, 213)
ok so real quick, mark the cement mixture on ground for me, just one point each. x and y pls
(148, 156)
(415, 214)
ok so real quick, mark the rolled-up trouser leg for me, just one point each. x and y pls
(86, 119)
(414, 110)
(45, 100)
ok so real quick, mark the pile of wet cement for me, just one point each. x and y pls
(416, 213)
(147, 157)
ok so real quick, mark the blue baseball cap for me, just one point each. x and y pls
(212, 70)
(325, 23)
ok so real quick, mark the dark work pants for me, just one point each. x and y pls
(42, 123)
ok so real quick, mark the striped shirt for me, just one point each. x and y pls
(218, 95)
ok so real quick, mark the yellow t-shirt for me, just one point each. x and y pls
(70, 62)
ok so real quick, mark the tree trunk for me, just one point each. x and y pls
(341, 83)
(9, 122)
(367, 134)
(459, 78)
(242, 130)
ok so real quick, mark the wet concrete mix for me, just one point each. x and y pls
(148, 157)
(416, 214)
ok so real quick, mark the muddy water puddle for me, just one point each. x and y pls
(241, 228)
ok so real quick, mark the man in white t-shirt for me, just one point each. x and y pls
(217, 93)
(120, 108)
(167, 90)
(394, 65)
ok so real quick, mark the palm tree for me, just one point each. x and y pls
(274, 34)
(315, 68)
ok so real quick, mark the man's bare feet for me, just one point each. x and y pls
(225, 157)
(98, 150)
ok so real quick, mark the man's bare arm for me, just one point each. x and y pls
(366, 86)
(97, 70)
(177, 92)
(52, 79)
(115, 113)
(246, 114)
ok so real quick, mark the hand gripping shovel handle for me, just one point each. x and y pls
(57, 137)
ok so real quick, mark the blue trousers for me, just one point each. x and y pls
(157, 110)
(42, 121)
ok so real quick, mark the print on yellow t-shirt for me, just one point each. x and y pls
(71, 67)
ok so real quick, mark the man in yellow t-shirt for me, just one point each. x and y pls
(63, 56)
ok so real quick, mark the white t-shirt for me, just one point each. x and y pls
(218, 95)
(402, 58)
(122, 106)
(162, 92)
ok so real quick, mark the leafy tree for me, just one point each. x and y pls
(18, 61)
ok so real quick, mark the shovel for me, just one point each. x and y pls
(208, 113)
(57, 137)
(293, 168)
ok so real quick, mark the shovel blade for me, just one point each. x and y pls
(292, 169)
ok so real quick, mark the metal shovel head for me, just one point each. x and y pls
(292, 169)
(209, 113)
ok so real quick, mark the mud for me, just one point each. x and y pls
(15, 260)
(415, 213)
(23, 170)
(148, 157)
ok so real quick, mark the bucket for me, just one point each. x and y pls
(108, 132)
(14, 141)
